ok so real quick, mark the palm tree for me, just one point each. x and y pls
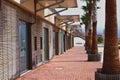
(111, 64)
(94, 35)
(86, 18)
(89, 2)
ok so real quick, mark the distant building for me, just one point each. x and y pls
(79, 41)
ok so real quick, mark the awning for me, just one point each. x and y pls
(37, 6)
(43, 4)
(76, 26)
(59, 3)
(65, 19)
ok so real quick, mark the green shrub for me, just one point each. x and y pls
(100, 39)
(119, 41)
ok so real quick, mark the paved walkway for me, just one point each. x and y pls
(72, 65)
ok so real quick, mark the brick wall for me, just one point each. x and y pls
(9, 39)
(36, 32)
(50, 28)
(59, 39)
(8, 42)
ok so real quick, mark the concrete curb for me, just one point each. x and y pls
(94, 57)
(101, 76)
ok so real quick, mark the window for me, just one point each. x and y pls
(35, 43)
(40, 42)
(0, 4)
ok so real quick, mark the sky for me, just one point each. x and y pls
(100, 14)
(118, 13)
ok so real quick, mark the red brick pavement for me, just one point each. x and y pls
(72, 65)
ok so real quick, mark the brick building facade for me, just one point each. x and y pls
(22, 42)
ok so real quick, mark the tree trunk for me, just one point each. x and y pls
(94, 39)
(90, 40)
(94, 36)
(111, 64)
(90, 25)
(86, 35)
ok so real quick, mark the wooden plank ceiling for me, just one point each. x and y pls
(68, 18)
(29, 4)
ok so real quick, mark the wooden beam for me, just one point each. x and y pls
(50, 5)
(66, 22)
(56, 12)
(35, 12)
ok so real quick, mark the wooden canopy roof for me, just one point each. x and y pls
(43, 4)
(68, 18)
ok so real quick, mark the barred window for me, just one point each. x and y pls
(0, 4)
(40, 42)
(35, 43)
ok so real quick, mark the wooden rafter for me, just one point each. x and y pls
(35, 12)
(61, 1)
(56, 12)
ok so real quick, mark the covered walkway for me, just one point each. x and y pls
(72, 65)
